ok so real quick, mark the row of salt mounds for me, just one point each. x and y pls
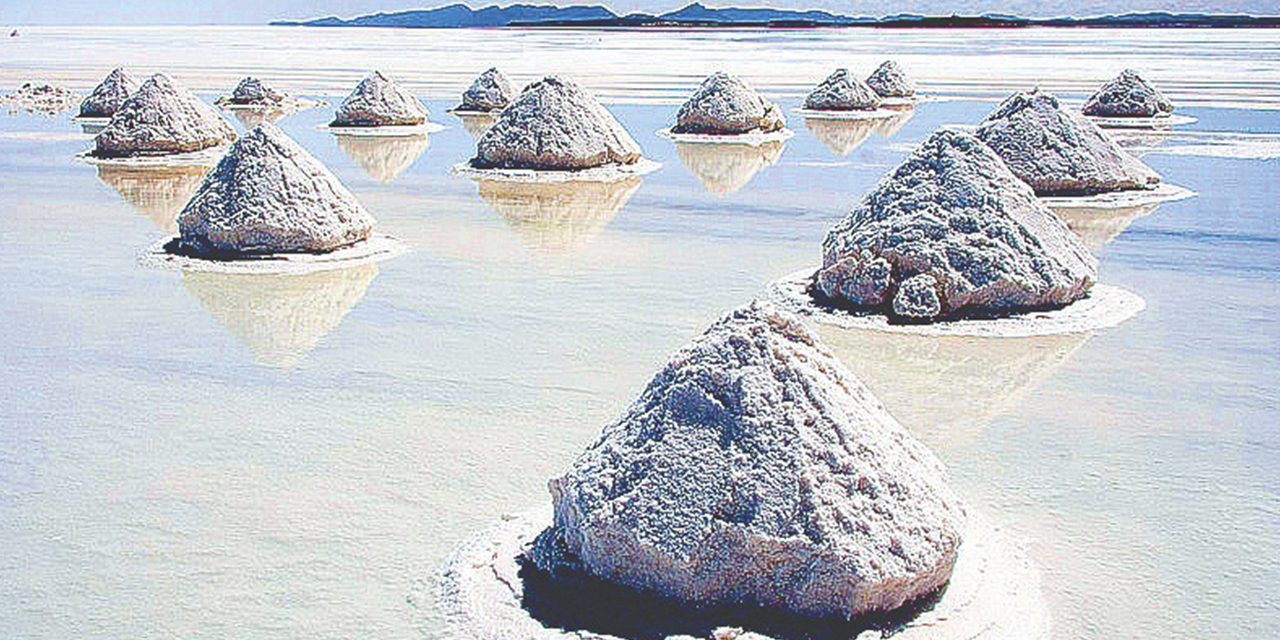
(890, 81)
(953, 232)
(490, 91)
(1128, 96)
(161, 118)
(726, 108)
(756, 470)
(379, 101)
(109, 95)
(1060, 153)
(556, 126)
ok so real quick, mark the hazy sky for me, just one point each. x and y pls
(236, 12)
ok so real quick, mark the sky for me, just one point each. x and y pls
(153, 12)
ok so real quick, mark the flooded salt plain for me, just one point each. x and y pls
(206, 456)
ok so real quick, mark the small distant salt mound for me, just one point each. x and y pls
(555, 124)
(1058, 152)
(109, 95)
(162, 118)
(725, 105)
(842, 91)
(491, 91)
(890, 81)
(379, 102)
(756, 470)
(953, 232)
(43, 99)
(1128, 96)
(268, 195)
(252, 91)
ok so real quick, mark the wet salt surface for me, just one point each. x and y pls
(212, 456)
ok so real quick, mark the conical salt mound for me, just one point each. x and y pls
(1128, 96)
(1058, 152)
(725, 105)
(756, 470)
(555, 124)
(952, 232)
(842, 91)
(109, 95)
(890, 81)
(162, 118)
(378, 102)
(491, 91)
(268, 195)
(252, 91)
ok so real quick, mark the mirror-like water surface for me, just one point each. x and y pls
(205, 456)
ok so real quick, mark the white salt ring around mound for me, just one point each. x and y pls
(467, 113)
(296, 104)
(93, 122)
(908, 101)
(1106, 306)
(751, 138)
(1121, 199)
(848, 114)
(1157, 122)
(376, 248)
(385, 131)
(994, 593)
(608, 173)
(202, 158)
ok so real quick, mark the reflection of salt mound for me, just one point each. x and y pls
(477, 124)
(280, 317)
(890, 126)
(946, 388)
(1097, 227)
(251, 118)
(726, 168)
(841, 136)
(158, 192)
(383, 158)
(558, 217)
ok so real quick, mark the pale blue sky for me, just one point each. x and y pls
(18, 12)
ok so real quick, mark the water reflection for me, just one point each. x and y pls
(946, 389)
(157, 192)
(558, 217)
(1097, 227)
(477, 124)
(280, 317)
(383, 158)
(727, 168)
(843, 136)
(251, 118)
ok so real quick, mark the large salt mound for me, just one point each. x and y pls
(890, 81)
(162, 118)
(378, 102)
(555, 124)
(491, 91)
(842, 91)
(109, 95)
(756, 470)
(1058, 152)
(725, 105)
(952, 232)
(1128, 96)
(268, 195)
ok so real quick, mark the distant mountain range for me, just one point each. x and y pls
(458, 16)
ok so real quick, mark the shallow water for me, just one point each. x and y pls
(210, 456)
